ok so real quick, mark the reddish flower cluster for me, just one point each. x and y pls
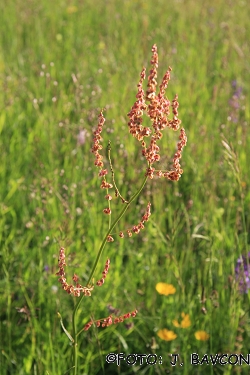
(158, 111)
(137, 228)
(108, 197)
(152, 83)
(104, 273)
(98, 160)
(70, 288)
(110, 320)
(105, 185)
(175, 174)
(103, 172)
(97, 138)
(110, 238)
(135, 115)
(107, 211)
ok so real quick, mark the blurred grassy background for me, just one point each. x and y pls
(60, 63)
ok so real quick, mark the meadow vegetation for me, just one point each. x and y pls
(61, 62)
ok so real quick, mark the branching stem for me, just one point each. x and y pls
(113, 175)
(115, 222)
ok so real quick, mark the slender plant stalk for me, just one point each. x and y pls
(74, 317)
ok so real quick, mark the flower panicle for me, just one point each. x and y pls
(158, 110)
(104, 273)
(152, 83)
(106, 322)
(137, 228)
(175, 122)
(99, 158)
(97, 140)
(135, 115)
(176, 172)
(164, 84)
(76, 289)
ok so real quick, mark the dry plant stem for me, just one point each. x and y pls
(74, 316)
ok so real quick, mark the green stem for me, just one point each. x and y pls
(74, 323)
(113, 174)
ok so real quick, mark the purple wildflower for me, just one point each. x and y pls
(242, 273)
(235, 102)
(129, 325)
(81, 137)
(113, 310)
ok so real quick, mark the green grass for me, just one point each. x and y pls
(50, 196)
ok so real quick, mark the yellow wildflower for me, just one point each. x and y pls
(165, 289)
(166, 334)
(201, 335)
(185, 323)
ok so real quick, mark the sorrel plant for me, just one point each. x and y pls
(158, 108)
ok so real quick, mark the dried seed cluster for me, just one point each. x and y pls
(110, 320)
(158, 111)
(104, 273)
(70, 288)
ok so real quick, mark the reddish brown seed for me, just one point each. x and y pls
(129, 233)
(108, 197)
